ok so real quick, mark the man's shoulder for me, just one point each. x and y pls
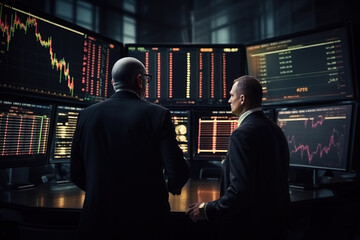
(155, 106)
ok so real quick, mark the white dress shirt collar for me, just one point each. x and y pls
(247, 113)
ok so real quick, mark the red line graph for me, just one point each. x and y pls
(314, 123)
(320, 150)
(8, 31)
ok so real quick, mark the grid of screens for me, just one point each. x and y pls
(312, 67)
(189, 74)
(48, 59)
(65, 124)
(24, 132)
(318, 137)
(182, 129)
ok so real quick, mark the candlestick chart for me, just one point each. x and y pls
(40, 56)
(317, 136)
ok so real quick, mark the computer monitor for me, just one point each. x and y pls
(24, 133)
(63, 132)
(181, 120)
(314, 66)
(44, 56)
(319, 137)
(212, 131)
(189, 75)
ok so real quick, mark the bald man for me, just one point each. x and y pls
(126, 158)
(254, 194)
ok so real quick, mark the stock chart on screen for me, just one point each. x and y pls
(189, 74)
(42, 57)
(24, 132)
(318, 137)
(307, 67)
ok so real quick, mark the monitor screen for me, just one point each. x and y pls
(212, 133)
(24, 133)
(181, 122)
(47, 57)
(304, 68)
(65, 124)
(190, 74)
(213, 130)
(318, 137)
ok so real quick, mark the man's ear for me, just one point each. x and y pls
(242, 98)
(139, 81)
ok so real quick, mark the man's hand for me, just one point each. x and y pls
(194, 212)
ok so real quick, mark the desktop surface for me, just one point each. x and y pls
(67, 196)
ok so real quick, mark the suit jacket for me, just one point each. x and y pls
(254, 196)
(122, 147)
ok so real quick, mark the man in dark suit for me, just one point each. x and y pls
(254, 196)
(126, 158)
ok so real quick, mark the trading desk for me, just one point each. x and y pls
(50, 210)
(66, 196)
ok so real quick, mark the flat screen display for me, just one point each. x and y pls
(24, 133)
(46, 57)
(65, 125)
(190, 74)
(304, 68)
(318, 137)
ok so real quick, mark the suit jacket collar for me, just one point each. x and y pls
(125, 94)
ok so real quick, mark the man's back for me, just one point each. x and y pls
(257, 168)
(123, 142)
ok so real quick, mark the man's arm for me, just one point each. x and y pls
(77, 165)
(241, 165)
(175, 165)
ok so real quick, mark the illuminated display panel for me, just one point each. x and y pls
(190, 74)
(65, 124)
(47, 58)
(182, 129)
(311, 67)
(318, 137)
(24, 133)
(213, 130)
(212, 136)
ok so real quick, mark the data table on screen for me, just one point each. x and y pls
(305, 67)
(189, 74)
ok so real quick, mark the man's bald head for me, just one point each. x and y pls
(125, 71)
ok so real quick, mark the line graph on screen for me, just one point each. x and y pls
(317, 137)
(22, 34)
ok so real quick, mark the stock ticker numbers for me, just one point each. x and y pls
(308, 67)
(39, 56)
(214, 134)
(189, 74)
(317, 137)
(24, 128)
